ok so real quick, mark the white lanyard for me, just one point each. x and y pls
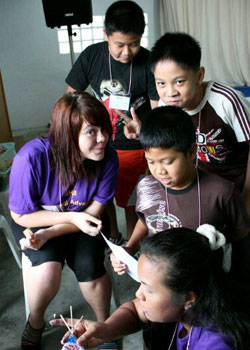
(199, 198)
(189, 338)
(198, 132)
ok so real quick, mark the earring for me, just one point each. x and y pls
(188, 305)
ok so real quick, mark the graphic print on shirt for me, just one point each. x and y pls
(209, 147)
(107, 88)
(70, 203)
(67, 203)
(154, 207)
(158, 223)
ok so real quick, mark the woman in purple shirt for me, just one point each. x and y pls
(185, 300)
(59, 186)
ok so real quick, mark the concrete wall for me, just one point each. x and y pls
(33, 71)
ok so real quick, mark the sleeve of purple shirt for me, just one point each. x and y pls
(24, 184)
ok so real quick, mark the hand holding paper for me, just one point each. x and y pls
(119, 267)
(121, 255)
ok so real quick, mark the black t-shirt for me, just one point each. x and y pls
(92, 68)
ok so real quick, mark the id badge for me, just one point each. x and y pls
(121, 102)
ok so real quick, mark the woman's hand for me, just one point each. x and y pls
(96, 333)
(89, 334)
(118, 267)
(132, 125)
(35, 240)
(86, 223)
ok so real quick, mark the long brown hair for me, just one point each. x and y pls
(68, 115)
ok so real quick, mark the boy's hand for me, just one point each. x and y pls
(118, 267)
(132, 126)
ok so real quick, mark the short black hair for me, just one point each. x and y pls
(168, 127)
(125, 17)
(178, 47)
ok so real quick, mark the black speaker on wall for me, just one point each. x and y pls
(67, 12)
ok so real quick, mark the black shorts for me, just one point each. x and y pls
(84, 254)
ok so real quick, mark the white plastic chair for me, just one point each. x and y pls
(5, 227)
(26, 262)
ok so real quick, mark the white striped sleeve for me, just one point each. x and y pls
(232, 108)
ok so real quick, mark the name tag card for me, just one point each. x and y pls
(119, 102)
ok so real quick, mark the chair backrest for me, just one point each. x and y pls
(5, 227)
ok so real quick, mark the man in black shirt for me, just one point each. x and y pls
(119, 74)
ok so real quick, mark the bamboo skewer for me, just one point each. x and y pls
(66, 324)
(77, 323)
(71, 318)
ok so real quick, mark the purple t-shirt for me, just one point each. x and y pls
(202, 339)
(33, 185)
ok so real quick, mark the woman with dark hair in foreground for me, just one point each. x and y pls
(185, 300)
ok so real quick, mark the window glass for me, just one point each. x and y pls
(87, 34)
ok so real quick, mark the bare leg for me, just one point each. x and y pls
(42, 284)
(98, 294)
(131, 220)
(114, 230)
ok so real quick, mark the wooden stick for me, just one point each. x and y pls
(77, 323)
(66, 324)
(71, 318)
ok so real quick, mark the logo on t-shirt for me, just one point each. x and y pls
(157, 223)
(211, 149)
(108, 88)
(111, 87)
